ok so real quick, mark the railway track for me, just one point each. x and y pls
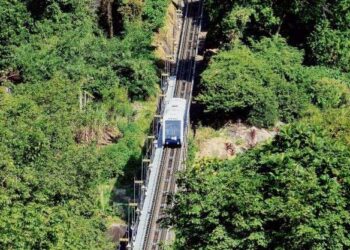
(171, 159)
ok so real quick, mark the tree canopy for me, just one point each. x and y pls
(290, 194)
(68, 87)
(273, 61)
(267, 82)
(274, 57)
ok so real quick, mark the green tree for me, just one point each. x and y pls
(331, 46)
(154, 11)
(289, 194)
(320, 27)
(330, 93)
(49, 177)
(259, 83)
(15, 23)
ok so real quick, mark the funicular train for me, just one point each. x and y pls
(173, 123)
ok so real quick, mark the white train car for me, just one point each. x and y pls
(173, 123)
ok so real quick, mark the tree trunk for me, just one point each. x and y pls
(106, 16)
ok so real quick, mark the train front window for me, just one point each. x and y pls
(172, 130)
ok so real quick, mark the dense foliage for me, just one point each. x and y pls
(267, 82)
(290, 194)
(259, 76)
(321, 26)
(277, 61)
(53, 55)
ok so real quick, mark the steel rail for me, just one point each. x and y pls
(170, 163)
(154, 215)
(184, 90)
(173, 161)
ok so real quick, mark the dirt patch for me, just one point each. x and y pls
(116, 231)
(233, 139)
(165, 39)
(102, 136)
(214, 147)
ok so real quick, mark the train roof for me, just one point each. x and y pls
(175, 109)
